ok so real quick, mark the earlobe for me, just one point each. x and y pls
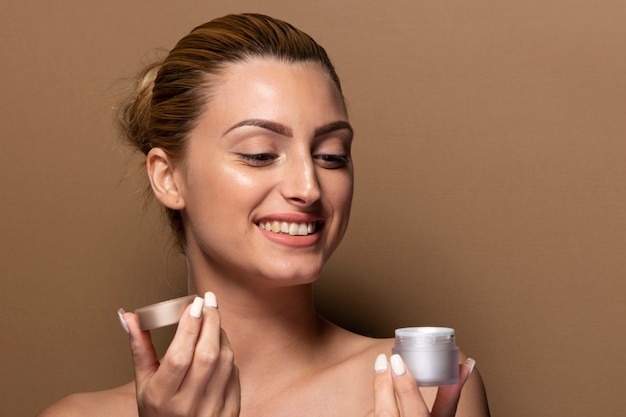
(161, 172)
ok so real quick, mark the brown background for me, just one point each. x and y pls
(490, 189)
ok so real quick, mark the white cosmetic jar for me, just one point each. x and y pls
(430, 353)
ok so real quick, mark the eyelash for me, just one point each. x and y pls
(261, 158)
(326, 161)
(333, 161)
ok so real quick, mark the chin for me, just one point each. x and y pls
(291, 276)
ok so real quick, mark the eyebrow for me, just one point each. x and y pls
(333, 127)
(286, 131)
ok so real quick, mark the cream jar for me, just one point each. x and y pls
(430, 353)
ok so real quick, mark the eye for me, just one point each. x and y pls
(257, 159)
(333, 161)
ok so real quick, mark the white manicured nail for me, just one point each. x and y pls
(210, 300)
(397, 365)
(120, 314)
(471, 363)
(196, 308)
(381, 363)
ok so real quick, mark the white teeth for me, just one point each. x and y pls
(294, 229)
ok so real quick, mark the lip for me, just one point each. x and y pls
(291, 240)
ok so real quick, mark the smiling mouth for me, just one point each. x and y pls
(293, 229)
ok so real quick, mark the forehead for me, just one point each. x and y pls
(268, 85)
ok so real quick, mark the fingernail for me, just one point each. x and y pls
(471, 363)
(397, 365)
(210, 300)
(381, 363)
(196, 308)
(120, 314)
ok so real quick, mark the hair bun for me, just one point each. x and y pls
(134, 115)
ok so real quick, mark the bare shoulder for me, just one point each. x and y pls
(354, 344)
(118, 402)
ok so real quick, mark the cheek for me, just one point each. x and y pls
(340, 192)
(221, 180)
(238, 178)
(238, 189)
(214, 189)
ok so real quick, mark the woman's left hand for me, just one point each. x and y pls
(396, 393)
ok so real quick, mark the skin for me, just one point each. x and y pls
(273, 145)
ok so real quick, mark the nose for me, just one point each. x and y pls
(300, 183)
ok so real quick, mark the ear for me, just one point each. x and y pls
(163, 179)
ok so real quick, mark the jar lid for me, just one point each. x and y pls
(164, 313)
(425, 336)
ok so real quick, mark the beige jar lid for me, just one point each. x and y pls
(164, 313)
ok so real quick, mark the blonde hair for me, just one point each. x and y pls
(170, 95)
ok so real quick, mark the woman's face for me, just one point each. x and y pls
(267, 178)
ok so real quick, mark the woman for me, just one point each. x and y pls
(247, 145)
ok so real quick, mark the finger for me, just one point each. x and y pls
(448, 396)
(145, 361)
(232, 398)
(216, 390)
(408, 394)
(384, 396)
(207, 351)
(224, 367)
(179, 355)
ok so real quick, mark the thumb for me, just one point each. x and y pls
(144, 355)
(448, 396)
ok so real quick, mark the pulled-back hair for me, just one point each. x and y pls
(170, 95)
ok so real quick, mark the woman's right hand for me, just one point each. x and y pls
(197, 375)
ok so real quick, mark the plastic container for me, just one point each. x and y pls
(430, 353)
(164, 313)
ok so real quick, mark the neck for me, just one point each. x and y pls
(278, 324)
